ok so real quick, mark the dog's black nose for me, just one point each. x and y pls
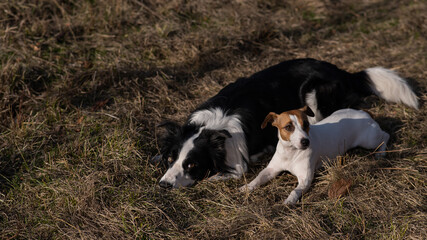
(165, 184)
(305, 142)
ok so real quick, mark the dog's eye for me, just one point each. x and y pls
(289, 127)
(191, 165)
(170, 160)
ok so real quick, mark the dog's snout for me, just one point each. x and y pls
(165, 184)
(305, 142)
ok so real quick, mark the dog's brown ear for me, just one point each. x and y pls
(307, 110)
(271, 117)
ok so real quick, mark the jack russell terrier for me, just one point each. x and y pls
(302, 148)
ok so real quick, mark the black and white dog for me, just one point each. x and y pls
(223, 135)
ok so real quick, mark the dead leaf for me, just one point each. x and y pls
(339, 188)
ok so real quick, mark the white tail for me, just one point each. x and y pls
(389, 86)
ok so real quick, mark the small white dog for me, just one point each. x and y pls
(302, 148)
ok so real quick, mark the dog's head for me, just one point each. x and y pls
(293, 126)
(192, 153)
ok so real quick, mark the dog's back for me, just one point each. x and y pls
(343, 130)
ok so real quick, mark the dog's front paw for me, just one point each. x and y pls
(291, 201)
(222, 177)
(245, 188)
(216, 177)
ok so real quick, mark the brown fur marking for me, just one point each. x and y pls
(283, 119)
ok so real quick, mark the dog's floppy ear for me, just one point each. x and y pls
(307, 110)
(168, 141)
(271, 117)
(215, 142)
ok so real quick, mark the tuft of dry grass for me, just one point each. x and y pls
(83, 85)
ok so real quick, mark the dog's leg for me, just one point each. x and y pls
(272, 170)
(373, 137)
(383, 147)
(224, 176)
(263, 177)
(304, 182)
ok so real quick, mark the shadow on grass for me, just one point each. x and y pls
(10, 165)
(92, 86)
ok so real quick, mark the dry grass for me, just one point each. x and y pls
(84, 83)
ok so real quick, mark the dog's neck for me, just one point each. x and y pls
(289, 152)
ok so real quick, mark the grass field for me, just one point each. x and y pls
(83, 85)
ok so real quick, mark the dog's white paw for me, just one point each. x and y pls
(290, 200)
(216, 177)
(245, 188)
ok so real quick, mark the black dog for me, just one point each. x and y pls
(223, 134)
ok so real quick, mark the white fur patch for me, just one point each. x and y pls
(311, 101)
(388, 85)
(298, 133)
(216, 119)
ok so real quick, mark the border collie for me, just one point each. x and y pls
(223, 135)
(302, 148)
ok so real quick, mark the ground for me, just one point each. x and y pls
(83, 85)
